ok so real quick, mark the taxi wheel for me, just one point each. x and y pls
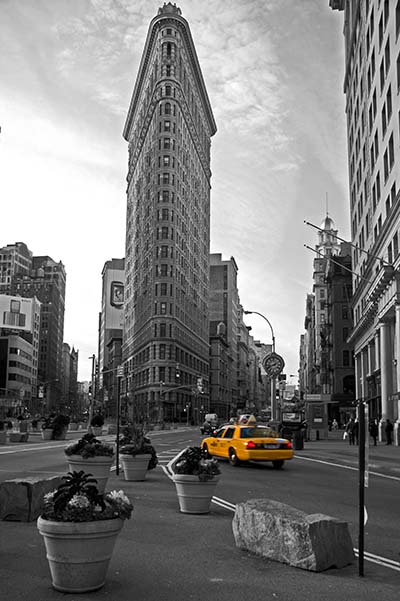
(233, 460)
(278, 464)
(206, 453)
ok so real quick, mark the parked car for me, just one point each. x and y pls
(241, 443)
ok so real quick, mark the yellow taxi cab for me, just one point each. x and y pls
(240, 442)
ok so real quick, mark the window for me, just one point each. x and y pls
(346, 358)
(398, 70)
(390, 253)
(397, 19)
(391, 152)
(387, 56)
(162, 351)
(345, 334)
(395, 245)
(166, 160)
(167, 109)
(167, 125)
(345, 312)
(167, 143)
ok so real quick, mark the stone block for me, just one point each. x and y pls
(282, 533)
(21, 500)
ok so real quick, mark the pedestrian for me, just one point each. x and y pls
(335, 424)
(349, 430)
(374, 430)
(388, 431)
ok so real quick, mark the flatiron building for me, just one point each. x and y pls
(166, 322)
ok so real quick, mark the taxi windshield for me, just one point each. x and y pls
(257, 433)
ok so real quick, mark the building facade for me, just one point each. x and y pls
(168, 128)
(224, 335)
(28, 276)
(326, 374)
(111, 324)
(371, 86)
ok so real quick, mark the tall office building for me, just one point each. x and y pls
(224, 335)
(371, 85)
(168, 128)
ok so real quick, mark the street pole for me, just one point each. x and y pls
(93, 358)
(274, 412)
(361, 485)
(120, 375)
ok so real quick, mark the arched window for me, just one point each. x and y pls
(167, 108)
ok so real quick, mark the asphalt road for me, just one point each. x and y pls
(164, 555)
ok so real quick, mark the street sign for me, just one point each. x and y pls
(273, 364)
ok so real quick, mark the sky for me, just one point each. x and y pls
(273, 70)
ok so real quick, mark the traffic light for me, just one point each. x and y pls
(177, 372)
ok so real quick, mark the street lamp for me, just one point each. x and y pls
(268, 322)
(275, 366)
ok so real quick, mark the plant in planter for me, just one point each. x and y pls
(136, 452)
(60, 427)
(96, 424)
(195, 479)
(91, 455)
(80, 526)
(55, 427)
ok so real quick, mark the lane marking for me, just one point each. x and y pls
(382, 561)
(347, 467)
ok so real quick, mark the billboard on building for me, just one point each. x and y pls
(16, 313)
(114, 298)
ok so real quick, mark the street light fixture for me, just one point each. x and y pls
(268, 322)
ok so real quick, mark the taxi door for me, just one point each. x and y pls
(225, 442)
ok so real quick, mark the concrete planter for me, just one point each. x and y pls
(3, 437)
(18, 436)
(47, 434)
(99, 467)
(79, 552)
(135, 466)
(60, 434)
(194, 495)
